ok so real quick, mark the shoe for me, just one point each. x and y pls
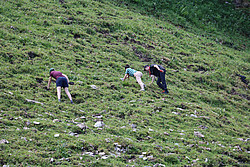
(142, 90)
(71, 102)
(165, 92)
(59, 100)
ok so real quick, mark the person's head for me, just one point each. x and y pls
(52, 69)
(127, 66)
(146, 68)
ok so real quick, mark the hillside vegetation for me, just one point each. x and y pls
(204, 121)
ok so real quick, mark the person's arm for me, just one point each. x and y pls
(153, 78)
(158, 68)
(66, 77)
(125, 77)
(50, 78)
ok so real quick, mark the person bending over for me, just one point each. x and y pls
(61, 81)
(133, 73)
(159, 72)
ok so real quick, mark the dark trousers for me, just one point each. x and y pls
(161, 82)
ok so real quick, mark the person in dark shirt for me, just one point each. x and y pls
(159, 72)
(61, 81)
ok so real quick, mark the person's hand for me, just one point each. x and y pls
(161, 70)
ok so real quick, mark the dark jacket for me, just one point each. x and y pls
(154, 71)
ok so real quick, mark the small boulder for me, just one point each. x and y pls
(198, 134)
(99, 124)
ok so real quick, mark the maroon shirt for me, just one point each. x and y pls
(56, 74)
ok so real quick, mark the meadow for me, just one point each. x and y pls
(203, 121)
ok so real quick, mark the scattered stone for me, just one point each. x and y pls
(97, 116)
(158, 109)
(51, 159)
(89, 153)
(176, 113)
(79, 82)
(182, 134)
(203, 117)
(150, 130)
(56, 135)
(102, 153)
(133, 126)
(190, 145)
(4, 141)
(241, 139)
(198, 134)
(141, 156)
(57, 120)
(107, 140)
(72, 134)
(24, 138)
(171, 130)
(159, 165)
(165, 133)
(36, 123)
(82, 126)
(144, 158)
(82, 117)
(203, 127)
(150, 157)
(176, 144)
(104, 157)
(6, 166)
(11, 93)
(194, 161)
(192, 115)
(99, 124)
(206, 148)
(33, 101)
(221, 145)
(93, 87)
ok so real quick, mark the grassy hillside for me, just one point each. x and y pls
(203, 121)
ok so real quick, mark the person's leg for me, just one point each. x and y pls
(68, 94)
(59, 93)
(138, 76)
(163, 81)
(159, 82)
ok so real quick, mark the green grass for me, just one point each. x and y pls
(91, 42)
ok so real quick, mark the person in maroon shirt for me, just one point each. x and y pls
(61, 81)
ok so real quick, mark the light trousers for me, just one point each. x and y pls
(138, 76)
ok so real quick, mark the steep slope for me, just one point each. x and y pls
(203, 121)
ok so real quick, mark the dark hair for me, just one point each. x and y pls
(127, 66)
(145, 67)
